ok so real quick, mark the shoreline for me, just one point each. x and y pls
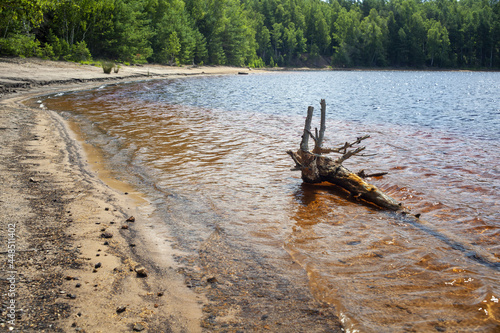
(21, 75)
(79, 279)
(71, 277)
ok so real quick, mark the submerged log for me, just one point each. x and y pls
(317, 168)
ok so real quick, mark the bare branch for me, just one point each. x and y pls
(304, 145)
(343, 149)
(363, 174)
(349, 154)
(321, 135)
(313, 137)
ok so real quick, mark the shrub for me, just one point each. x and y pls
(57, 46)
(46, 52)
(19, 46)
(107, 66)
(257, 63)
(79, 52)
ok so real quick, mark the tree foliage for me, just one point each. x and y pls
(343, 33)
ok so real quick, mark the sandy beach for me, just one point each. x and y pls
(77, 253)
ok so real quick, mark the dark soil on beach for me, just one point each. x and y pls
(41, 220)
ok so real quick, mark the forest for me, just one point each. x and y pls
(257, 33)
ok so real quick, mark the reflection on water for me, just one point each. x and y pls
(217, 148)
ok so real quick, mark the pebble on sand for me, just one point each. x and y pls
(141, 271)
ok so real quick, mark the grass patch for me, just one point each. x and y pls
(107, 66)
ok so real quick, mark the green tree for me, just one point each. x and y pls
(170, 18)
(374, 39)
(28, 11)
(173, 47)
(347, 38)
(438, 43)
(130, 38)
(318, 30)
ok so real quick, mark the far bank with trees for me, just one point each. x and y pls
(257, 33)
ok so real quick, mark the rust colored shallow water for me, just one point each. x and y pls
(218, 165)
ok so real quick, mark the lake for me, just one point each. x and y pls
(210, 155)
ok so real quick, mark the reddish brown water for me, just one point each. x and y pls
(209, 166)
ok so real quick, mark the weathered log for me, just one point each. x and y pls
(317, 168)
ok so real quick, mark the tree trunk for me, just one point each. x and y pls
(317, 168)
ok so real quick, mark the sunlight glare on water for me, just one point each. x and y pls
(221, 141)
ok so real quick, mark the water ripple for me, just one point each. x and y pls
(222, 141)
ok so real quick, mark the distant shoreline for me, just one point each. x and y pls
(22, 74)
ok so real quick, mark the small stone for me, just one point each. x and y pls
(160, 294)
(121, 309)
(106, 243)
(212, 280)
(103, 229)
(72, 296)
(132, 244)
(124, 226)
(97, 254)
(98, 265)
(130, 219)
(141, 271)
(138, 327)
(79, 314)
(78, 285)
(156, 305)
(106, 209)
(106, 234)
(94, 271)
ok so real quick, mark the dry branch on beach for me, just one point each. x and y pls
(317, 168)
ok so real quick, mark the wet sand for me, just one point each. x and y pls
(76, 260)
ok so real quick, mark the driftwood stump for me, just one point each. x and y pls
(317, 168)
